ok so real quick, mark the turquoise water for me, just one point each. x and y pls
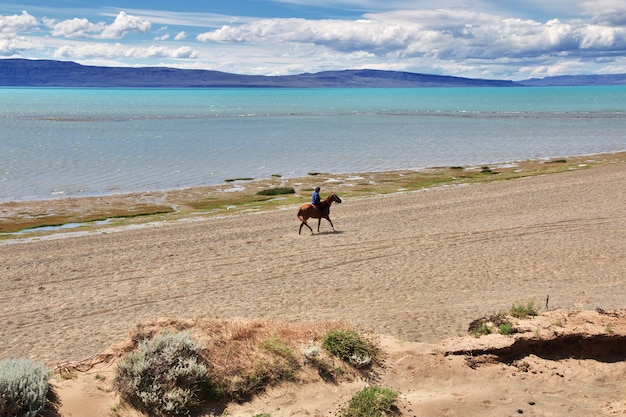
(77, 142)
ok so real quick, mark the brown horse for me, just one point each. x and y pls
(308, 211)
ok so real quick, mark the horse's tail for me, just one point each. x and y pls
(300, 216)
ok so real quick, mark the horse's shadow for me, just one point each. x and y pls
(328, 232)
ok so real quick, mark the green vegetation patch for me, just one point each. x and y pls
(214, 200)
(350, 347)
(277, 191)
(239, 179)
(371, 402)
(487, 325)
(59, 220)
(523, 311)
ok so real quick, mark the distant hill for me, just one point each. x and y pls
(44, 73)
(576, 80)
(48, 73)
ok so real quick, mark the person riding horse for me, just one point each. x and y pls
(319, 211)
(317, 202)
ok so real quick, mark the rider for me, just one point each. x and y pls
(316, 201)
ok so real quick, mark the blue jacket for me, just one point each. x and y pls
(315, 198)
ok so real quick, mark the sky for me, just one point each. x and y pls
(495, 39)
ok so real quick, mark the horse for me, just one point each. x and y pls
(308, 211)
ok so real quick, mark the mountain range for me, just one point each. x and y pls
(49, 73)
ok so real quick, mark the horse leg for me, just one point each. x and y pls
(304, 223)
(331, 223)
(319, 221)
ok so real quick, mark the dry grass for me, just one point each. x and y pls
(244, 357)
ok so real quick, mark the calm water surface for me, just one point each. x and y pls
(77, 142)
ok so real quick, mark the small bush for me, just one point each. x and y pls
(523, 311)
(486, 325)
(506, 329)
(23, 387)
(277, 191)
(164, 375)
(349, 346)
(371, 402)
(487, 170)
(484, 329)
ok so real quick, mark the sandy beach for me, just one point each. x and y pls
(417, 266)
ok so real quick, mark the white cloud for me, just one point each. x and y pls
(15, 45)
(554, 69)
(443, 34)
(74, 28)
(83, 28)
(340, 35)
(11, 25)
(455, 37)
(120, 51)
(605, 12)
(11, 43)
(125, 24)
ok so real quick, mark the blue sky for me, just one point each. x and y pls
(469, 38)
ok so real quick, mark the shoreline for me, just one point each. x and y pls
(418, 266)
(40, 217)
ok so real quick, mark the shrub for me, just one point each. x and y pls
(277, 191)
(164, 375)
(484, 329)
(349, 346)
(23, 387)
(506, 328)
(371, 402)
(486, 325)
(523, 311)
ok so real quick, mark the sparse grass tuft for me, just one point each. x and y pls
(23, 387)
(371, 402)
(522, 311)
(350, 347)
(484, 329)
